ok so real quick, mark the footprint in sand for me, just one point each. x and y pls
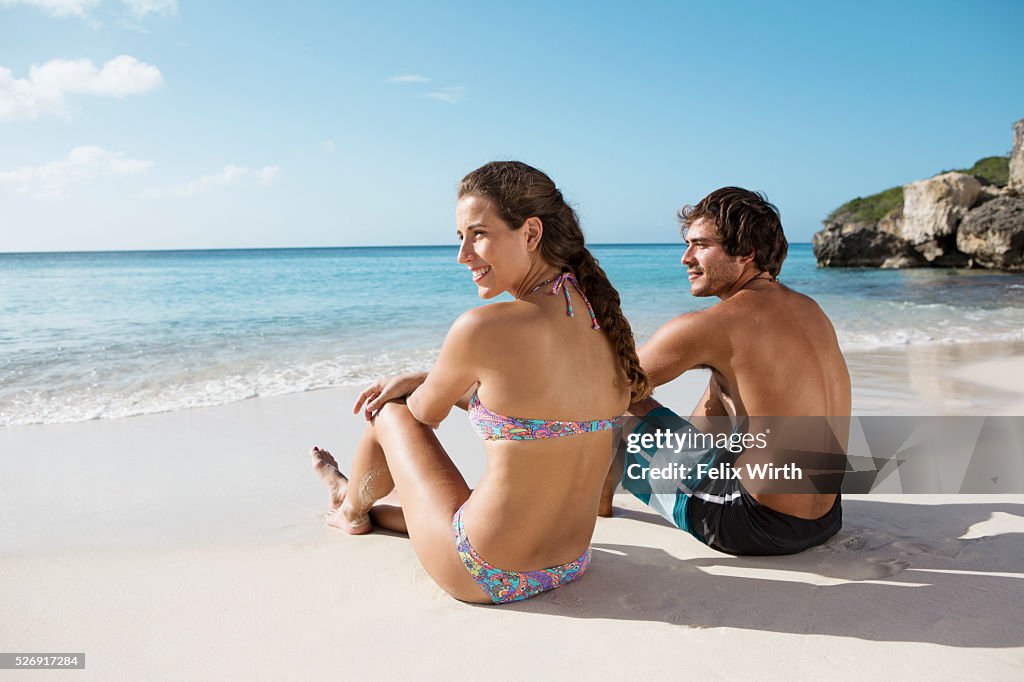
(940, 548)
(855, 540)
(861, 554)
(885, 568)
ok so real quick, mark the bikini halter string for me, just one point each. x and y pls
(560, 281)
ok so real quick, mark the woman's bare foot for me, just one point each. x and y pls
(326, 467)
(343, 519)
(340, 515)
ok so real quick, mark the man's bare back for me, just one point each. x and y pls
(771, 350)
(779, 356)
(774, 354)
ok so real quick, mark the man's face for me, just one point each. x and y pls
(712, 272)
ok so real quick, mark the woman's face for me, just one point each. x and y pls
(497, 256)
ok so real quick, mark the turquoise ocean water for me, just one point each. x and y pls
(105, 335)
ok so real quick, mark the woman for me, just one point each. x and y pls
(534, 510)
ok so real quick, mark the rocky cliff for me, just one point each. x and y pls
(972, 218)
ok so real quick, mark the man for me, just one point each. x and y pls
(771, 352)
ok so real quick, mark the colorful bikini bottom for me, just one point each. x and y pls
(505, 586)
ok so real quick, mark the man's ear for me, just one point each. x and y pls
(743, 260)
(533, 228)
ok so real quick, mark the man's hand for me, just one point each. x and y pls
(384, 390)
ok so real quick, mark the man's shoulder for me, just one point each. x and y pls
(799, 296)
(747, 309)
(803, 305)
(780, 310)
(694, 322)
(780, 295)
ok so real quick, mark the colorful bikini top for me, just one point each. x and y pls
(493, 426)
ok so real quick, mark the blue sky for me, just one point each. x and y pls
(133, 124)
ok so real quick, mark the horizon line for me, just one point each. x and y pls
(306, 248)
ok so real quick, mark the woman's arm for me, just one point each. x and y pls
(385, 390)
(455, 372)
(463, 403)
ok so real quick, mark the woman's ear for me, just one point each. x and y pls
(533, 229)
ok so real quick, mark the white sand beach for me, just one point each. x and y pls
(220, 221)
(190, 545)
(979, 379)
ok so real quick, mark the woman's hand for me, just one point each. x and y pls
(384, 390)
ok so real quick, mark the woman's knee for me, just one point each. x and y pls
(392, 413)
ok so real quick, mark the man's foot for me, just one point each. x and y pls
(340, 515)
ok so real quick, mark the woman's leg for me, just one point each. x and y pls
(355, 513)
(371, 481)
(398, 451)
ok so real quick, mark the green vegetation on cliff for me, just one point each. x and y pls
(868, 209)
(993, 169)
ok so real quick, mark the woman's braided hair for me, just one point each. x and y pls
(516, 192)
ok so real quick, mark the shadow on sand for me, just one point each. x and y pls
(896, 572)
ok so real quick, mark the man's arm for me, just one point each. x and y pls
(682, 343)
(710, 404)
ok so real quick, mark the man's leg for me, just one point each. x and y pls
(614, 477)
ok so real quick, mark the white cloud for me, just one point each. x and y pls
(452, 94)
(231, 175)
(327, 145)
(82, 164)
(56, 8)
(123, 75)
(268, 175)
(78, 8)
(141, 8)
(408, 78)
(43, 92)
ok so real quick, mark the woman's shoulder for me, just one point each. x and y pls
(484, 318)
(489, 322)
